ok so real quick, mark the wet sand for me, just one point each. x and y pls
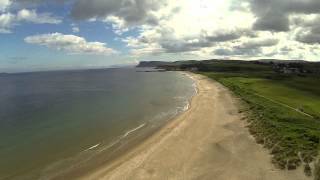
(209, 141)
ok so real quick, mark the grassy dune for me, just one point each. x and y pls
(283, 108)
(283, 113)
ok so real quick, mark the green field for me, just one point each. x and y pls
(283, 113)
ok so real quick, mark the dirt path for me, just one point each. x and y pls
(285, 105)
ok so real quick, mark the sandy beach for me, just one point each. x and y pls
(209, 141)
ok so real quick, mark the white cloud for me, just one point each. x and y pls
(70, 43)
(4, 4)
(190, 27)
(37, 18)
(8, 20)
(75, 28)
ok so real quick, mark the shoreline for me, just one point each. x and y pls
(125, 144)
(132, 147)
(197, 144)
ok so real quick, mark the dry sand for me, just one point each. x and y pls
(209, 141)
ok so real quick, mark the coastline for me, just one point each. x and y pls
(207, 140)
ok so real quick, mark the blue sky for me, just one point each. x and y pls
(17, 55)
(72, 34)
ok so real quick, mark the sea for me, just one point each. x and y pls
(64, 124)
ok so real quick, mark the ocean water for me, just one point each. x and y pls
(58, 125)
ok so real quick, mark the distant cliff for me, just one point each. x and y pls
(152, 63)
(261, 65)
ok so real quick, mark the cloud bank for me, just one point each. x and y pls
(247, 29)
(70, 43)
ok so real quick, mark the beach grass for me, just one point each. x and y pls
(283, 113)
(317, 171)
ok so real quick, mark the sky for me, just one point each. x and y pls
(72, 34)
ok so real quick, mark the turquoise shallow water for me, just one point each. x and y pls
(55, 123)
